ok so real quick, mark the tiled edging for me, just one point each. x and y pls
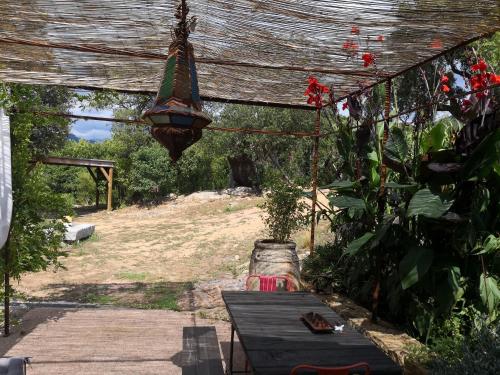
(393, 342)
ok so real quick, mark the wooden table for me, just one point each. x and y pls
(275, 339)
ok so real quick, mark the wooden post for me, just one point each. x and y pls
(381, 199)
(110, 190)
(109, 178)
(314, 176)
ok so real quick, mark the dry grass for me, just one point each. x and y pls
(146, 257)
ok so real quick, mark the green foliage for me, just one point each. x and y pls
(429, 240)
(358, 243)
(427, 204)
(151, 174)
(37, 228)
(285, 211)
(453, 352)
(414, 265)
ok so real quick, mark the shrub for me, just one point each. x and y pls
(451, 351)
(284, 211)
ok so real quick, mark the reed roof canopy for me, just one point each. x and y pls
(248, 51)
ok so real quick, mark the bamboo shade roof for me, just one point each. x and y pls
(252, 51)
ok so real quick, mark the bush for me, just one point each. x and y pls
(285, 211)
(478, 352)
(151, 175)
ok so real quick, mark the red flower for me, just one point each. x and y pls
(476, 82)
(314, 91)
(350, 45)
(345, 105)
(444, 79)
(312, 80)
(436, 43)
(355, 30)
(481, 66)
(445, 88)
(368, 58)
(380, 38)
(494, 78)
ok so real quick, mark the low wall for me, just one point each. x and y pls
(393, 342)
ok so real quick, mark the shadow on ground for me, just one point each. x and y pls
(155, 295)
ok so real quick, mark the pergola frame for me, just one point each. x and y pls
(104, 167)
(316, 135)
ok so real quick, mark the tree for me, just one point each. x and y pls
(37, 223)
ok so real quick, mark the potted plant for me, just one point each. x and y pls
(284, 214)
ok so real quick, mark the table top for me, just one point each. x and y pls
(275, 339)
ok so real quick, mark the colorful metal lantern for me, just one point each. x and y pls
(176, 117)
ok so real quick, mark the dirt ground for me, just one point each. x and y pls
(146, 257)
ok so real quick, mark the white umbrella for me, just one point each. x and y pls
(5, 178)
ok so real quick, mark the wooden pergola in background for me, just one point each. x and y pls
(105, 167)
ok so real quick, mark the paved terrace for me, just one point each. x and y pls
(107, 341)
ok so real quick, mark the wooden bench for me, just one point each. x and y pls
(200, 351)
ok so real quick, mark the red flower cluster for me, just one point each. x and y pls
(482, 79)
(380, 38)
(315, 91)
(481, 66)
(368, 58)
(345, 105)
(355, 30)
(444, 83)
(350, 45)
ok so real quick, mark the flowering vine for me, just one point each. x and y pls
(315, 92)
(351, 47)
(480, 80)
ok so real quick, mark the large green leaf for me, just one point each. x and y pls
(414, 265)
(490, 245)
(344, 201)
(397, 147)
(488, 290)
(395, 185)
(436, 138)
(484, 158)
(427, 204)
(358, 243)
(450, 291)
(340, 185)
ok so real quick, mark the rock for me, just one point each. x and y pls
(207, 294)
(240, 191)
(206, 196)
(77, 232)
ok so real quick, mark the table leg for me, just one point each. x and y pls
(231, 350)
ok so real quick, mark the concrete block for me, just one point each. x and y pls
(78, 231)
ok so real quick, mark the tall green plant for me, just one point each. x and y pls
(284, 211)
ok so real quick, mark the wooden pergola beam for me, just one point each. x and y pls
(77, 162)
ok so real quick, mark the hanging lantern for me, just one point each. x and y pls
(176, 118)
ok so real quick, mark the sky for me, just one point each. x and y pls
(92, 130)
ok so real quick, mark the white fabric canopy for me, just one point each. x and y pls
(5, 178)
